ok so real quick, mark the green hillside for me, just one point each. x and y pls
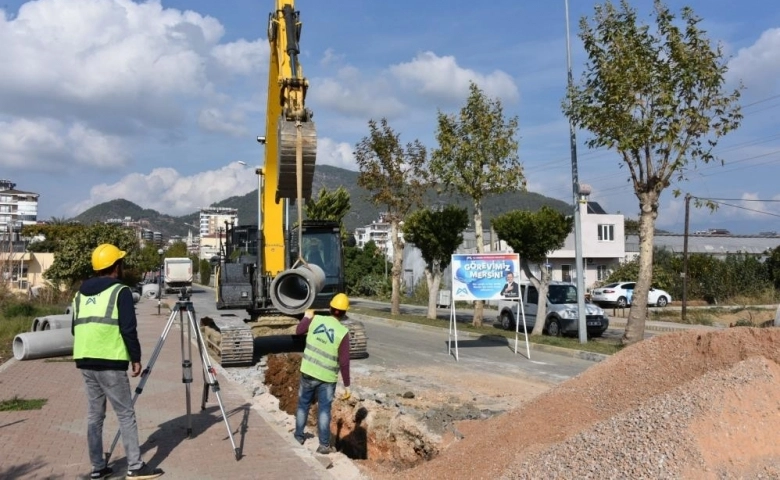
(362, 212)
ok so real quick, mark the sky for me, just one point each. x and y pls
(160, 102)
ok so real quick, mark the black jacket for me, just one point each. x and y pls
(127, 325)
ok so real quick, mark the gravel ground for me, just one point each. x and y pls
(681, 405)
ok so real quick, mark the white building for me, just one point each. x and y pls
(603, 249)
(17, 209)
(379, 233)
(212, 219)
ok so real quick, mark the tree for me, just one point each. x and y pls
(437, 233)
(330, 205)
(73, 257)
(176, 250)
(364, 270)
(396, 176)
(477, 157)
(532, 235)
(657, 96)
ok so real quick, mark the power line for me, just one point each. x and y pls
(745, 208)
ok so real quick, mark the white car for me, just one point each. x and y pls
(619, 294)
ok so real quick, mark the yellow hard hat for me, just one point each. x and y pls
(340, 302)
(105, 255)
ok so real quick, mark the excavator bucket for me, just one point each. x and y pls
(288, 144)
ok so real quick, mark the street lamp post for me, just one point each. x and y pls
(582, 325)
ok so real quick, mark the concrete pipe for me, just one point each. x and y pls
(43, 344)
(56, 322)
(69, 310)
(294, 290)
(36, 324)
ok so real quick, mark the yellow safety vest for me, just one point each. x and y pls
(321, 355)
(96, 326)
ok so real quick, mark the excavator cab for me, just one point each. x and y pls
(321, 247)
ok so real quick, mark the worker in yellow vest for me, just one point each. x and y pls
(326, 353)
(105, 344)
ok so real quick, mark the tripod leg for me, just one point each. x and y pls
(186, 367)
(145, 374)
(211, 375)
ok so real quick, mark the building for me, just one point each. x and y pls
(603, 249)
(212, 219)
(717, 245)
(379, 233)
(17, 209)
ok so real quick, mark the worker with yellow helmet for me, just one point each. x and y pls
(326, 353)
(105, 344)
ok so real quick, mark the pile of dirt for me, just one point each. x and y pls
(679, 405)
(682, 405)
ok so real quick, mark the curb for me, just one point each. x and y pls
(566, 352)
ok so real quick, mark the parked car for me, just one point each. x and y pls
(562, 311)
(619, 294)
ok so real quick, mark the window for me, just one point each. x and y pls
(606, 233)
(566, 273)
(533, 295)
(601, 272)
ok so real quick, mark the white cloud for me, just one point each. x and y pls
(213, 120)
(442, 78)
(167, 191)
(242, 57)
(115, 65)
(352, 94)
(758, 65)
(336, 154)
(49, 145)
(330, 57)
(426, 81)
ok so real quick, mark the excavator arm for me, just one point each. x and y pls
(291, 136)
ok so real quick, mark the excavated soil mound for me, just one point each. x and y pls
(283, 377)
(681, 405)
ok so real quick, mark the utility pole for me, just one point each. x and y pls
(581, 323)
(685, 257)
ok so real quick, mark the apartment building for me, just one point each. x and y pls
(17, 209)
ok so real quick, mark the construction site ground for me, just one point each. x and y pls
(696, 403)
(652, 411)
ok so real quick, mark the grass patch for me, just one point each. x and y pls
(17, 404)
(603, 346)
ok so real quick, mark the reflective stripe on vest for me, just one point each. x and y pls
(321, 355)
(96, 326)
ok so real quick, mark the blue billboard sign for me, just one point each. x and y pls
(483, 276)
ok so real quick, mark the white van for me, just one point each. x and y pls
(562, 313)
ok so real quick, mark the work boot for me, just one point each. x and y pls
(102, 473)
(144, 472)
(324, 449)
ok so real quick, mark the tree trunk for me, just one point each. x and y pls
(479, 305)
(434, 282)
(635, 326)
(541, 286)
(398, 257)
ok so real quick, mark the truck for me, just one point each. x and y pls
(177, 274)
(562, 311)
(266, 269)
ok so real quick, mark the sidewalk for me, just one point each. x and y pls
(51, 443)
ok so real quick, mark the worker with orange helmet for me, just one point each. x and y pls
(105, 344)
(326, 353)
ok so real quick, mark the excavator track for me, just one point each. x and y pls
(230, 340)
(287, 186)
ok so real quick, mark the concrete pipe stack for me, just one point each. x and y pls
(50, 337)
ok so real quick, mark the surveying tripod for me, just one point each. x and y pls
(209, 374)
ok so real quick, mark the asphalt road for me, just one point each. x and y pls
(395, 345)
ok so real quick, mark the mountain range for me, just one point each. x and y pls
(362, 212)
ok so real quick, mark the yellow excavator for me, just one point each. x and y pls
(268, 270)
